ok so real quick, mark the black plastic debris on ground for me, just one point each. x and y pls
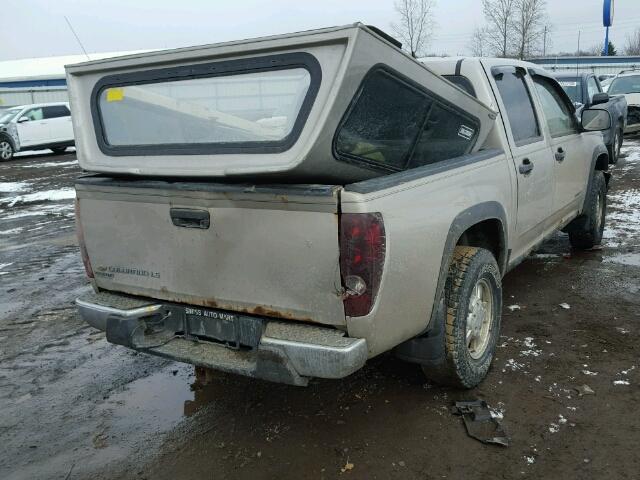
(479, 422)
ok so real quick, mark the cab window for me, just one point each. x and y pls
(34, 114)
(557, 112)
(592, 88)
(518, 104)
(56, 111)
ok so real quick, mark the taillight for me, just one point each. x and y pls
(81, 244)
(362, 250)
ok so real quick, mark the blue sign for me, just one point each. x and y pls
(607, 13)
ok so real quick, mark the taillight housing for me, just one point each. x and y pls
(362, 252)
(81, 244)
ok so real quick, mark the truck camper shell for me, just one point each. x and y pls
(335, 105)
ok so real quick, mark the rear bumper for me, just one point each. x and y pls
(284, 352)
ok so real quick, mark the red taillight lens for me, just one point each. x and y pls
(362, 250)
(81, 244)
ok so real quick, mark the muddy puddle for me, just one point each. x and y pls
(624, 259)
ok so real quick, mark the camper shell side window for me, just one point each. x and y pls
(394, 124)
(253, 105)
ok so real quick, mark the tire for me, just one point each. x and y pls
(473, 274)
(58, 150)
(586, 231)
(616, 145)
(6, 150)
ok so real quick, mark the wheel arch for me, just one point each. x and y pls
(8, 138)
(482, 225)
(599, 162)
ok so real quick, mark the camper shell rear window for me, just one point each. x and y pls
(395, 124)
(255, 105)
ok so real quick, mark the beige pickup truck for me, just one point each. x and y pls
(289, 207)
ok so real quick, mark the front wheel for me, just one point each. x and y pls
(6, 150)
(586, 231)
(473, 300)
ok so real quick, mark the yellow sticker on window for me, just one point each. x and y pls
(115, 94)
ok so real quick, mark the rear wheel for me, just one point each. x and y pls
(586, 232)
(473, 300)
(616, 146)
(6, 150)
(58, 150)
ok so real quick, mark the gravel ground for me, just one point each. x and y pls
(74, 406)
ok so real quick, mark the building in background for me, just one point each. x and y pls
(39, 80)
(596, 65)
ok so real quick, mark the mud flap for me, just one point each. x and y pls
(427, 349)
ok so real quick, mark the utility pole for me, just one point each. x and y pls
(544, 48)
(578, 55)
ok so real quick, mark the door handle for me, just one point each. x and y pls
(190, 218)
(560, 154)
(526, 167)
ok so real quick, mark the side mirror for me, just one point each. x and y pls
(595, 120)
(23, 119)
(600, 98)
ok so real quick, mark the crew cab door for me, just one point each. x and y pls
(530, 152)
(571, 164)
(35, 129)
(59, 121)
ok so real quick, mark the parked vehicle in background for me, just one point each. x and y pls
(585, 91)
(627, 83)
(606, 77)
(259, 274)
(35, 127)
(606, 83)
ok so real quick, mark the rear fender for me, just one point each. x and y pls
(428, 348)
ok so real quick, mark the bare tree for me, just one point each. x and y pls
(479, 44)
(416, 24)
(499, 15)
(529, 26)
(633, 43)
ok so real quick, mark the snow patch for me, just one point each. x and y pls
(55, 209)
(50, 164)
(621, 382)
(623, 217)
(513, 365)
(46, 195)
(14, 187)
(532, 350)
(11, 231)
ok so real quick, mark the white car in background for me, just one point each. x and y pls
(627, 83)
(35, 127)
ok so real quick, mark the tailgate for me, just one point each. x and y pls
(269, 251)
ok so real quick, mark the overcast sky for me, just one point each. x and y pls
(36, 28)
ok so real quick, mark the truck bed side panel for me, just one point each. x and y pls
(418, 214)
